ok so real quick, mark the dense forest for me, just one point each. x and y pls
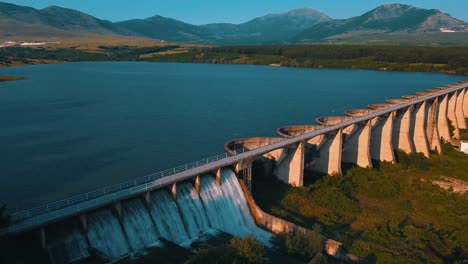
(452, 60)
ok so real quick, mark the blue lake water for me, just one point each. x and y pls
(71, 128)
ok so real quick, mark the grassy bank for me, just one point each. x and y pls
(389, 214)
(10, 78)
(23, 56)
(464, 132)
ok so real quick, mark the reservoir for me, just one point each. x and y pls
(71, 128)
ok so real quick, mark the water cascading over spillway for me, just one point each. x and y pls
(68, 244)
(227, 208)
(138, 226)
(182, 221)
(105, 234)
(192, 210)
(168, 220)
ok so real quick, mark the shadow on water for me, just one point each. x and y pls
(75, 168)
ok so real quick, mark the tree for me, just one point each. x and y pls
(239, 250)
(248, 249)
(303, 245)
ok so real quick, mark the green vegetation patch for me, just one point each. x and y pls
(464, 132)
(20, 55)
(390, 214)
(239, 250)
(303, 246)
(453, 60)
(10, 78)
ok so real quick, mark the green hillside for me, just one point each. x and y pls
(390, 214)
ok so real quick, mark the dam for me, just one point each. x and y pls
(182, 203)
(181, 221)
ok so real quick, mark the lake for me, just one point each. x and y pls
(71, 128)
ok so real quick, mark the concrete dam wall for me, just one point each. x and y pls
(419, 124)
(182, 203)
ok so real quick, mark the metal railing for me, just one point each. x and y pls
(92, 195)
(38, 216)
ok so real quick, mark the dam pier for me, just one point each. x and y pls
(413, 123)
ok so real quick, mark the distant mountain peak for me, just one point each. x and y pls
(389, 11)
(6, 8)
(395, 5)
(155, 17)
(63, 11)
(161, 19)
(52, 7)
(383, 20)
(302, 11)
(293, 26)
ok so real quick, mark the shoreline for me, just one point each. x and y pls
(447, 60)
(275, 65)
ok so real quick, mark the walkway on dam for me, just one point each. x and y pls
(40, 216)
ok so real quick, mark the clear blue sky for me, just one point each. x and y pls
(233, 11)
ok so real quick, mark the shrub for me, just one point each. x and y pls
(239, 250)
(248, 249)
(417, 161)
(214, 256)
(464, 132)
(392, 213)
(302, 245)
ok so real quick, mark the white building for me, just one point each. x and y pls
(464, 146)
(7, 44)
(447, 30)
(32, 43)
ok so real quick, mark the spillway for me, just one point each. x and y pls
(68, 244)
(106, 235)
(227, 207)
(192, 210)
(138, 226)
(181, 221)
(165, 214)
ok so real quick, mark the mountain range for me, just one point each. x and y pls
(304, 25)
